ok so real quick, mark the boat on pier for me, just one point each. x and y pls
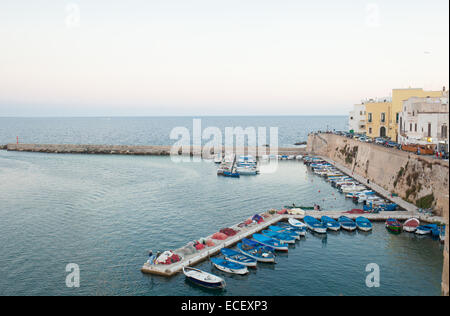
(363, 224)
(393, 226)
(256, 251)
(228, 266)
(411, 225)
(270, 242)
(330, 223)
(315, 225)
(347, 223)
(238, 257)
(425, 229)
(282, 237)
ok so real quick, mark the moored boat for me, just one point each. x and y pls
(296, 223)
(425, 229)
(237, 257)
(411, 225)
(347, 223)
(256, 251)
(393, 226)
(270, 242)
(203, 278)
(283, 237)
(363, 224)
(228, 266)
(330, 223)
(286, 230)
(315, 225)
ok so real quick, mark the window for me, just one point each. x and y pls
(444, 131)
(360, 113)
(370, 118)
(370, 130)
(410, 127)
(383, 117)
(415, 127)
(429, 129)
(397, 117)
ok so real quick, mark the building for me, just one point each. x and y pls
(378, 117)
(383, 115)
(401, 95)
(357, 119)
(424, 120)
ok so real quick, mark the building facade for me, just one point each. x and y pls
(357, 119)
(378, 117)
(424, 120)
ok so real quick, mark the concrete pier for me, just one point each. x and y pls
(247, 232)
(143, 150)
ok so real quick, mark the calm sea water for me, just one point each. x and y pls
(152, 130)
(105, 212)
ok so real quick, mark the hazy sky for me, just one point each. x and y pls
(215, 57)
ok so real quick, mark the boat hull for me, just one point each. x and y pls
(277, 248)
(348, 228)
(409, 229)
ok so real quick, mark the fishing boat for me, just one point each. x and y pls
(228, 266)
(247, 171)
(330, 223)
(283, 230)
(425, 229)
(218, 159)
(411, 225)
(230, 174)
(315, 225)
(203, 278)
(256, 251)
(363, 224)
(442, 234)
(283, 237)
(347, 223)
(393, 226)
(296, 223)
(270, 242)
(237, 257)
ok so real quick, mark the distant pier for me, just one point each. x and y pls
(144, 150)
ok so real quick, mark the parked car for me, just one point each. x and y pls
(393, 144)
(380, 141)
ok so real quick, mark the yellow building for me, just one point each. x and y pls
(383, 114)
(378, 117)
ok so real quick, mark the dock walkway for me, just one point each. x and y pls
(190, 260)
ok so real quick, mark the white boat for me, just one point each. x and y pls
(352, 188)
(246, 171)
(299, 157)
(218, 159)
(411, 225)
(296, 223)
(228, 266)
(203, 278)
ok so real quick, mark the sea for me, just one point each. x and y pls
(105, 213)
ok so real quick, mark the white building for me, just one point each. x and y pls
(357, 119)
(424, 121)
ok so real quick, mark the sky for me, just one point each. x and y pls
(215, 57)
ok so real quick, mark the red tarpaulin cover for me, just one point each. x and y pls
(219, 236)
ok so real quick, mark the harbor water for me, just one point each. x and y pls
(104, 213)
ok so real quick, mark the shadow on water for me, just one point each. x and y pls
(203, 289)
(363, 233)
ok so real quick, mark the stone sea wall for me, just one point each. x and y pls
(136, 150)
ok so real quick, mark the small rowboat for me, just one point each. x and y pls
(237, 257)
(256, 251)
(291, 231)
(347, 223)
(363, 224)
(296, 223)
(203, 278)
(411, 225)
(425, 229)
(301, 231)
(283, 237)
(315, 225)
(330, 223)
(228, 266)
(394, 226)
(270, 242)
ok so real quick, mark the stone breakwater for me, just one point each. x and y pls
(138, 150)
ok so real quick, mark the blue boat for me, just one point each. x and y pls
(425, 229)
(330, 223)
(256, 251)
(278, 229)
(231, 174)
(283, 237)
(237, 257)
(299, 230)
(315, 225)
(228, 266)
(363, 224)
(347, 223)
(270, 242)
